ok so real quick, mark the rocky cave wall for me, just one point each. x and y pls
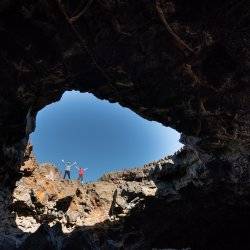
(184, 64)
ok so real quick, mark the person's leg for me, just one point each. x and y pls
(69, 174)
(82, 179)
(64, 175)
(79, 178)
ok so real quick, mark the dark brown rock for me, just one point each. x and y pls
(123, 51)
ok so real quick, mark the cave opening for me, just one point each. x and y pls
(98, 135)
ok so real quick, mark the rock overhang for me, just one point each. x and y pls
(129, 55)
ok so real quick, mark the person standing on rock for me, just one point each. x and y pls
(67, 168)
(81, 172)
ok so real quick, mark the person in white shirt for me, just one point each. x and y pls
(67, 168)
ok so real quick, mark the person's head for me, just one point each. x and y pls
(68, 162)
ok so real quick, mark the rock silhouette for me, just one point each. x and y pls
(182, 63)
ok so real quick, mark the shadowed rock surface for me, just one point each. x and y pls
(43, 200)
(174, 202)
(182, 63)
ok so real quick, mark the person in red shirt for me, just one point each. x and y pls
(81, 172)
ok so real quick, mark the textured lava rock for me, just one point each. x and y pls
(175, 202)
(182, 63)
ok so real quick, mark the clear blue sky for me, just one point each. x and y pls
(98, 135)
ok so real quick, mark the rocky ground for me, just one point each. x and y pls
(42, 197)
(150, 207)
(182, 63)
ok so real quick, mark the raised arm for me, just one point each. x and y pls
(63, 162)
(73, 164)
